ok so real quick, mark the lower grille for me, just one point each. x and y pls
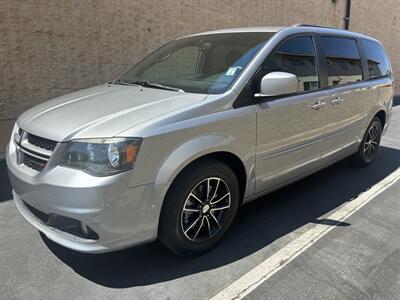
(33, 162)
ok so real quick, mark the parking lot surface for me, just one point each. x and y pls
(358, 259)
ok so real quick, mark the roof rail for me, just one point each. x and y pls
(311, 25)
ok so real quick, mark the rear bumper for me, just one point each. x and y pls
(119, 215)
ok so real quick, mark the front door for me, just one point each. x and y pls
(290, 128)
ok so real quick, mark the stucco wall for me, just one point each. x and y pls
(52, 47)
(380, 19)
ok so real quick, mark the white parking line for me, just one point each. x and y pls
(259, 274)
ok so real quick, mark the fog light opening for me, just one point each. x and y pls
(72, 226)
(66, 224)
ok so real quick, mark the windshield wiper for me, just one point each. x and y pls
(156, 85)
(119, 81)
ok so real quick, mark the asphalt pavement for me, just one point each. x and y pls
(358, 259)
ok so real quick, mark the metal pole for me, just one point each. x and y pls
(346, 19)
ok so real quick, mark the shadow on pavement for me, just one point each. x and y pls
(5, 187)
(259, 223)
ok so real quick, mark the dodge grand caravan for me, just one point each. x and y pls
(174, 146)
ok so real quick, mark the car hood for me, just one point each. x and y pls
(102, 111)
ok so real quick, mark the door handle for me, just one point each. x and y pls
(337, 100)
(317, 105)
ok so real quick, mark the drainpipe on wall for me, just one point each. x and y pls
(346, 19)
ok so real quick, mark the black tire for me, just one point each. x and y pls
(369, 146)
(186, 191)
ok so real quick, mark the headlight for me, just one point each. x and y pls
(17, 133)
(102, 157)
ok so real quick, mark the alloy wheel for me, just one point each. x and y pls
(371, 142)
(205, 210)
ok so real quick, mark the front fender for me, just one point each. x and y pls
(200, 146)
(168, 149)
(190, 151)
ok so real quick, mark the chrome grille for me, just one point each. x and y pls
(41, 142)
(34, 151)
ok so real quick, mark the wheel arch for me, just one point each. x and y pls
(379, 112)
(228, 158)
(382, 116)
(220, 147)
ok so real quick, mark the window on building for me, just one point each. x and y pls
(342, 59)
(296, 56)
(378, 63)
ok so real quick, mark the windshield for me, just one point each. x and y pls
(206, 64)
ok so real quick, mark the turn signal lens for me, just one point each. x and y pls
(131, 153)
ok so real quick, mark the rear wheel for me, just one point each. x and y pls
(369, 146)
(199, 208)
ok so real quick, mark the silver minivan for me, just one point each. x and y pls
(174, 146)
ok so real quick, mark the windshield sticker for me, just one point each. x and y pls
(231, 71)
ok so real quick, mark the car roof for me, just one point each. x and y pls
(242, 29)
(297, 28)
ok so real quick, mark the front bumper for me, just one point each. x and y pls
(121, 216)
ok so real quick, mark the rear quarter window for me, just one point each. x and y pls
(378, 62)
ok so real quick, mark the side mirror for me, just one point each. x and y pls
(278, 84)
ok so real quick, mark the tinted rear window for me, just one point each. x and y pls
(378, 63)
(342, 59)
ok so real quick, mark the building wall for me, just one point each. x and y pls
(52, 47)
(380, 19)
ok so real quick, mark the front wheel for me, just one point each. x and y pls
(199, 208)
(369, 146)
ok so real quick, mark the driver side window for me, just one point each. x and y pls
(296, 56)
